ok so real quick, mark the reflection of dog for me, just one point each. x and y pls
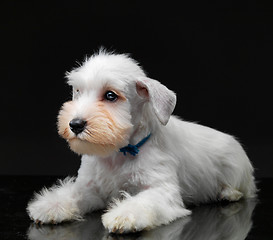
(229, 222)
(137, 156)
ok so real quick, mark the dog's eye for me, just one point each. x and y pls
(110, 96)
(76, 92)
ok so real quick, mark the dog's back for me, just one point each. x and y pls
(209, 162)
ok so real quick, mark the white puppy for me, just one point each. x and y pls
(139, 161)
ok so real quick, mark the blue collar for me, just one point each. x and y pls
(134, 149)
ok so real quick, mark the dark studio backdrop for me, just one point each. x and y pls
(217, 57)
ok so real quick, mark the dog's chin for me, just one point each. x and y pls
(82, 147)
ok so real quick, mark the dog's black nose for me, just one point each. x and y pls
(77, 125)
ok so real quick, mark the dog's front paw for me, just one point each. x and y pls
(122, 223)
(49, 209)
(54, 205)
(127, 217)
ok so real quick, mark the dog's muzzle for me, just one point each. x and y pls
(77, 125)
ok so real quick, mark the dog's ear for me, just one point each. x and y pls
(162, 99)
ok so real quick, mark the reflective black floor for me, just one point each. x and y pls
(241, 220)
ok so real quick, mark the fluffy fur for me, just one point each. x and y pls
(181, 164)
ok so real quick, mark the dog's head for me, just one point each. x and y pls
(109, 94)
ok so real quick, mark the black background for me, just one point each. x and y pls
(217, 57)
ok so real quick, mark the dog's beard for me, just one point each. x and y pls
(101, 136)
(84, 147)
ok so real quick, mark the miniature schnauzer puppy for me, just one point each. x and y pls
(139, 162)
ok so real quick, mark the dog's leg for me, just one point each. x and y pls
(55, 205)
(66, 201)
(146, 210)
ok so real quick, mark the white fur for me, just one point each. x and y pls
(181, 164)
